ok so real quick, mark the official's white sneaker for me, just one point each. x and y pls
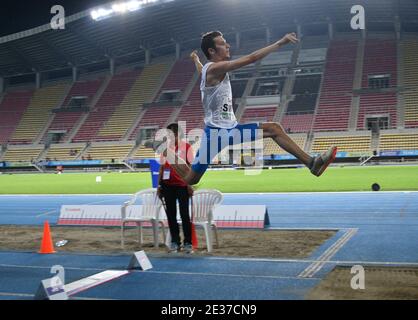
(188, 248)
(174, 247)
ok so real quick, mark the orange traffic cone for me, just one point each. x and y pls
(46, 245)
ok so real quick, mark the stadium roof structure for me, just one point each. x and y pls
(162, 24)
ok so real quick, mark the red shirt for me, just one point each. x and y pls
(175, 179)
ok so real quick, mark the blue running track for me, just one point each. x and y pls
(377, 228)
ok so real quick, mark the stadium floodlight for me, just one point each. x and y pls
(120, 8)
(133, 5)
(101, 13)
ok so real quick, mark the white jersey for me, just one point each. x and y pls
(217, 102)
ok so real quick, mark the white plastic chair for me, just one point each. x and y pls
(203, 203)
(151, 206)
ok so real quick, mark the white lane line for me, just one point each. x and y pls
(318, 266)
(57, 210)
(228, 275)
(66, 195)
(278, 260)
(311, 270)
(168, 272)
(15, 294)
(315, 267)
(80, 298)
(338, 262)
(47, 213)
(45, 267)
(29, 295)
(319, 192)
(225, 193)
(306, 228)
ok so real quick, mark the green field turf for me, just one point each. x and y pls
(283, 180)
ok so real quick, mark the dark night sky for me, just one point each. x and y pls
(19, 15)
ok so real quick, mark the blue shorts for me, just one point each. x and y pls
(215, 139)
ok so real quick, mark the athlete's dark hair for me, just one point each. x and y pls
(176, 130)
(208, 41)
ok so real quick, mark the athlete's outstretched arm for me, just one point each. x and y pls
(196, 61)
(220, 68)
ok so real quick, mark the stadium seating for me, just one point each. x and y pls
(271, 147)
(305, 91)
(314, 42)
(297, 122)
(347, 143)
(377, 104)
(144, 153)
(250, 46)
(303, 103)
(410, 49)
(154, 117)
(22, 153)
(258, 114)
(192, 111)
(238, 88)
(193, 115)
(179, 77)
(109, 128)
(112, 96)
(86, 87)
(108, 151)
(25, 112)
(379, 59)
(335, 99)
(142, 91)
(195, 95)
(398, 141)
(268, 86)
(64, 151)
(66, 119)
(36, 115)
(12, 107)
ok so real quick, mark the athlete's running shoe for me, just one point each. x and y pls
(321, 162)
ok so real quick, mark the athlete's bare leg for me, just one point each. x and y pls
(183, 169)
(270, 130)
(317, 165)
(275, 131)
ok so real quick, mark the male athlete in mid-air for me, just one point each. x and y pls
(219, 115)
